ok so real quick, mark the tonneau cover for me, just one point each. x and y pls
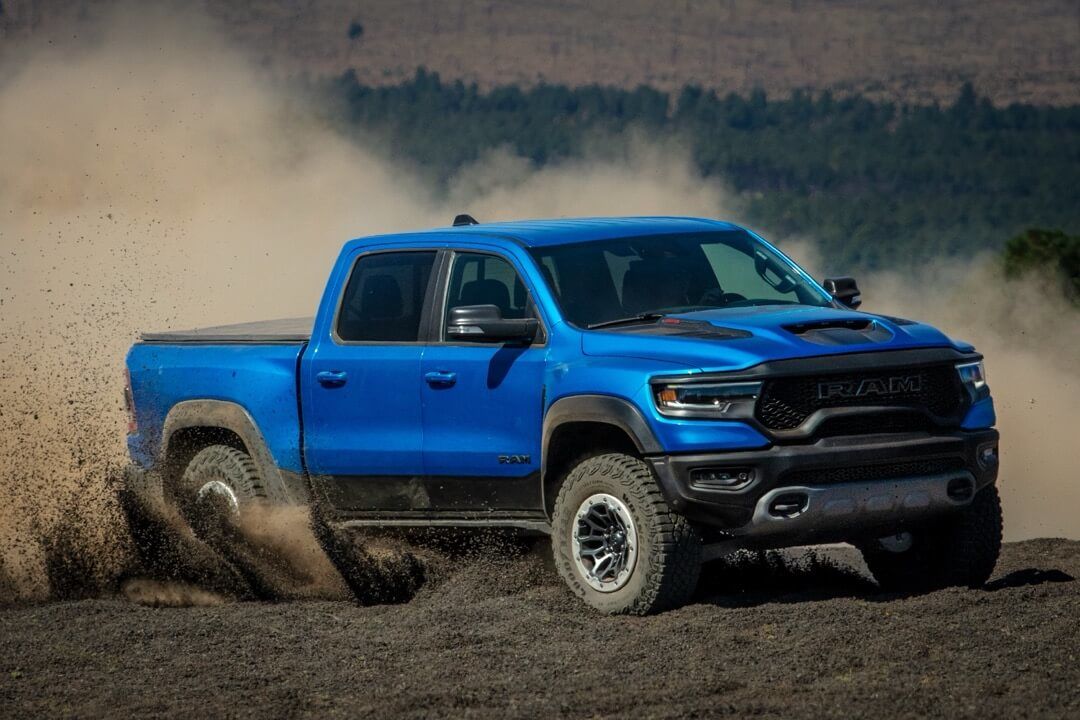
(285, 330)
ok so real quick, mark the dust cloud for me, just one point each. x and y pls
(1030, 337)
(153, 177)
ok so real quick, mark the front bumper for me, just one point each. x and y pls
(834, 489)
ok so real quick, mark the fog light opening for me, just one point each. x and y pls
(720, 478)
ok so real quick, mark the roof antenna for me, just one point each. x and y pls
(464, 219)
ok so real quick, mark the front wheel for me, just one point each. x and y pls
(960, 550)
(616, 542)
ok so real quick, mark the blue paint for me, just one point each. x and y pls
(260, 378)
(980, 415)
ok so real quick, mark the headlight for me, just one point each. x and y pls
(714, 400)
(973, 376)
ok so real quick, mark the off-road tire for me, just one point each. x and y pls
(958, 551)
(221, 463)
(669, 548)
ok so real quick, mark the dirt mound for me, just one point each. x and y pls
(157, 593)
(273, 554)
(746, 577)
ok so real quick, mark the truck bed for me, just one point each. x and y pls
(284, 330)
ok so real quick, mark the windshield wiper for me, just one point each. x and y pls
(639, 318)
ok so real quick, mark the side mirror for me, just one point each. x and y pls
(485, 323)
(844, 290)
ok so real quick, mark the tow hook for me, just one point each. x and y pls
(789, 505)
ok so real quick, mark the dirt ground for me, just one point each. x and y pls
(805, 636)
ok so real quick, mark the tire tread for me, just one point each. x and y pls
(230, 464)
(961, 551)
(674, 562)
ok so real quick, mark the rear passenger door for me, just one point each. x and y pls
(483, 402)
(362, 422)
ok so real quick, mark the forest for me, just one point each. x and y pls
(877, 183)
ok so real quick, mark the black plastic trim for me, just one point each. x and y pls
(281, 485)
(533, 523)
(431, 325)
(601, 409)
(400, 496)
(605, 409)
(283, 331)
(733, 508)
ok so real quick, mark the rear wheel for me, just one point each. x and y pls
(960, 550)
(616, 542)
(218, 485)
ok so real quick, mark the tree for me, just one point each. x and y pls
(876, 183)
(1049, 251)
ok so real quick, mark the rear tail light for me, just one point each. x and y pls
(129, 404)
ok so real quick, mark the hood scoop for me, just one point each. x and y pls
(854, 331)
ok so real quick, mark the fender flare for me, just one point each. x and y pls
(607, 409)
(281, 487)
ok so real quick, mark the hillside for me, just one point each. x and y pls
(876, 184)
(909, 50)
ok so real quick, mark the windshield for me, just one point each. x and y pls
(598, 282)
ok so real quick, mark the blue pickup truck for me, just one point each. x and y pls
(650, 392)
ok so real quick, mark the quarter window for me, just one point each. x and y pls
(384, 298)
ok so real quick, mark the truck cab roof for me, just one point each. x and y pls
(545, 233)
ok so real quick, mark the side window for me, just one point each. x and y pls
(486, 280)
(385, 297)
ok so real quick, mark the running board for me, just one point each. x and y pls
(541, 526)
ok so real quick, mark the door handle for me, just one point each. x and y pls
(441, 377)
(332, 378)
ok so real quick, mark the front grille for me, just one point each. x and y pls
(787, 402)
(869, 473)
(901, 422)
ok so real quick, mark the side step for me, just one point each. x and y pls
(540, 526)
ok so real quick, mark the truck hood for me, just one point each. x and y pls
(737, 338)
